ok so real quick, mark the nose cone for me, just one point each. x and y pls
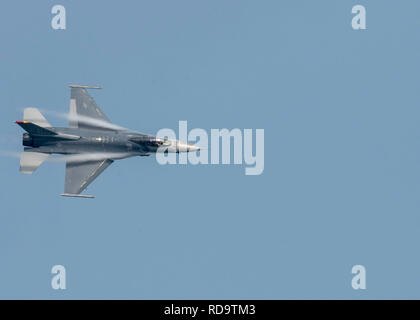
(192, 148)
(186, 147)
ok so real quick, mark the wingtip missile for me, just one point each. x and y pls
(84, 87)
(77, 195)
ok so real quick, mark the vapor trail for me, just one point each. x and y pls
(86, 157)
(84, 120)
(74, 158)
(10, 154)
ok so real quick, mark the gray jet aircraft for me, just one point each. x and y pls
(91, 142)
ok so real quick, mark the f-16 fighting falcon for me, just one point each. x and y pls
(91, 142)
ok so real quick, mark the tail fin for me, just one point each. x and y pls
(33, 115)
(35, 130)
(30, 161)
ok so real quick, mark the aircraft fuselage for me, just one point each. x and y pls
(76, 141)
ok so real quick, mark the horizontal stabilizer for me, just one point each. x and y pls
(33, 115)
(30, 161)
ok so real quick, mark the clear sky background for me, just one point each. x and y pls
(341, 184)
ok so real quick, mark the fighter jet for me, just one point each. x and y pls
(91, 142)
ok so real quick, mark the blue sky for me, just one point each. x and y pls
(340, 111)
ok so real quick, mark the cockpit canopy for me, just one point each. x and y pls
(150, 141)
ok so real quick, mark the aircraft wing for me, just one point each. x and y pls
(80, 174)
(84, 112)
